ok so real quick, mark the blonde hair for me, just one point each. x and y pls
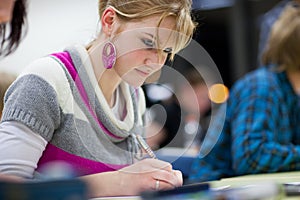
(138, 9)
(283, 46)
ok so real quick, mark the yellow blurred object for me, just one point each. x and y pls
(218, 93)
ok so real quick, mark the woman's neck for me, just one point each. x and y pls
(108, 84)
(95, 53)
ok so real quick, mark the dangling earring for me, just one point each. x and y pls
(109, 55)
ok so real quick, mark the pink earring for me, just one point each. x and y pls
(109, 55)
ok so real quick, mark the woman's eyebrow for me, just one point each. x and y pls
(149, 34)
(167, 49)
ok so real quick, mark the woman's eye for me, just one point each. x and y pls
(167, 50)
(148, 43)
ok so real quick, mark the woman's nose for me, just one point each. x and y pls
(156, 59)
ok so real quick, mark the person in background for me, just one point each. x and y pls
(156, 133)
(84, 106)
(5, 80)
(12, 17)
(196, 108)
(261, 131)
(267, 21)
(187, 114)
(12, 20)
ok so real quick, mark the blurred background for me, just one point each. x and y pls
(228, 30)
(53, 25)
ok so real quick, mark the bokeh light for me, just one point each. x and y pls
(218, 93)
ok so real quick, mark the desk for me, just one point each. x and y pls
(280, 178)
(283, 177)
(239, 181)
(117, 198)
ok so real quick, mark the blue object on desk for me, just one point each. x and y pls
(66, 189)
(191, 192)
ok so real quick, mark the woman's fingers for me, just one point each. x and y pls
(173, 178)
(148, 166)
(159, 164)
(161, 185)
(179, 176)
(163, 172)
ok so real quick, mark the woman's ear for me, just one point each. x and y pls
(108, 19)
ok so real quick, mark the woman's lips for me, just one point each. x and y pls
(142, 73)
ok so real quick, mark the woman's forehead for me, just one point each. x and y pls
(150, 23)
(165, 30)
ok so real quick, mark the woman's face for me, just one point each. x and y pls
(137, 45)
(6, 9)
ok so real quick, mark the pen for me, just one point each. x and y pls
(145, 146)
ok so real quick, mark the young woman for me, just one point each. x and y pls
(84, 106)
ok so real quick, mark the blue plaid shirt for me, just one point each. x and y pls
(261, 132)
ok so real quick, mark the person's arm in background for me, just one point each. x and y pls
(261, 136)
(6, 80)
(214, 159)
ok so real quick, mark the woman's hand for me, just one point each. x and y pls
(131, 180)
(144, 175)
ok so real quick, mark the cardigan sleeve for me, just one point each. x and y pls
(33, 98)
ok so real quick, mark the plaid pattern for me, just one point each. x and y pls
(261, 133)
